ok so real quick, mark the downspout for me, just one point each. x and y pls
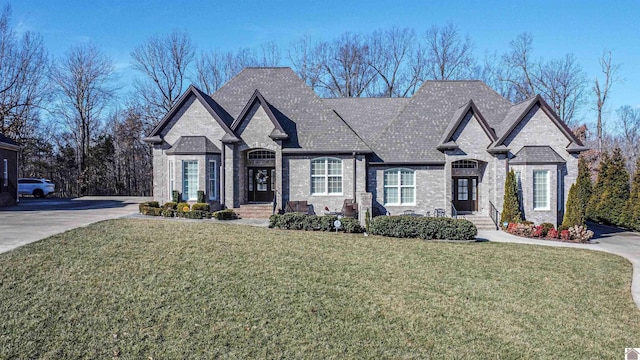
(354, 176)
(223, 174)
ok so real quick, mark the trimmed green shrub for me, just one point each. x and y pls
(175, 196)
(584, 185)
(170, 205)
(169, 212)
(197, 214)
(183, 207)
(511, 204)
(152, 211)
(226, 214)
(151, 204)
(200, 196)
(367, 220)
(611, 191)
(427, 228)
(200, 207)
(574, 214)
(298, 221)
(545, 227)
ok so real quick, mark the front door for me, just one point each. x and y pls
(465, 193)
(261, 184)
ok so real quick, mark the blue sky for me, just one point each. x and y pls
(584, 28)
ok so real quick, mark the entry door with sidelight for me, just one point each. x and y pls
(465, 193)
(261, 184)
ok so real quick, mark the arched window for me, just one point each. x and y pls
(261, 154)
(326, 176)
(399, 187)
(465, 164)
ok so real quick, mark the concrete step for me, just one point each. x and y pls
(481, 222)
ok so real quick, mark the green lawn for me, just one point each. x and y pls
(140, 289)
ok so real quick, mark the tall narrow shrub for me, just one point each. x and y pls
(612, 190)
(511, 205)
(631, 216)
(593, 212)
(584, 186)
(574, 214)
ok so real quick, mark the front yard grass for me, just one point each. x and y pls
(136, 289)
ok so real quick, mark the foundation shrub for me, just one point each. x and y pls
(200, 206)
(427, 228)
(226, 214)
(298, 221)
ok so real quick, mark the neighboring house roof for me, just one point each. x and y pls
(536, 155)
(7, 143)
(193, 145)
(310, 125)
(418, 129)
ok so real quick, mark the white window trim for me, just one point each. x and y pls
(213, 195)
(197, 180)
(172, 178)
(5, 173)
(399, 187)
(548, 207)
(326, 177)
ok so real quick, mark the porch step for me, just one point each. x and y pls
(482, 222)
(254, 211)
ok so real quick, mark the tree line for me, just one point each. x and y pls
(78, 128)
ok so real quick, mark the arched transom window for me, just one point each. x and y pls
(326, 176)
(261, 155)
(465, 164)
(399, 187)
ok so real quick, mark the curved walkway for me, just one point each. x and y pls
(607, 238)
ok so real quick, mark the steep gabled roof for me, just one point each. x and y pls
(536, 155)
(456, 121)
(193, 145)
(311, 126)
(217, 112)
(278, 132)
(413, 136)
(519, 111)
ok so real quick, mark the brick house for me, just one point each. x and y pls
(8, 171)
(266, 137)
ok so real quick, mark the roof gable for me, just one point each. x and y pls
(519, 111)
(278, 132)
(457, 119)
(193, 145)
(536, 155)
(216, 111)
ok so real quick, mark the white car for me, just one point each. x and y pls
(35, 187)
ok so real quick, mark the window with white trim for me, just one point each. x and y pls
(172, 178)
(190, 180)
(541, 190)
(399, 187)
(326, 176)
(211, 183)
(5, 173)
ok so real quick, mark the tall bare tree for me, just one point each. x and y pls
(345, 66)
(84, 82)
(518, 68)
(302, 54)
(601, 91)
(629, 125)
(562, 83)
(164, 61)
(23, 65)
(449, 54)
(397, 61)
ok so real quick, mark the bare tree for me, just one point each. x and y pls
(518, 68)
(303, 57)
(629, 124)
(23, 65)
(345, 66)
(214, 69)
(270, 54)
(562, 83)
(397, 61)
(164, 61)
(601, 91)
(83, 79)
(449, 55)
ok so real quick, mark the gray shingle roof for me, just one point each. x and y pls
(367, 116)
(416, 132)
(193, 145)
(310, 124)
(536, 155)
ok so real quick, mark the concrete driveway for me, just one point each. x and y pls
(607, 238)
(34, 219)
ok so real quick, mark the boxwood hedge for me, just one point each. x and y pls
(427, 228)
(298, 221)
